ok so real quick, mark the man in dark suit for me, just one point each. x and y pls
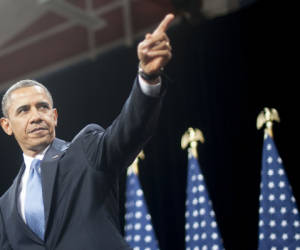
(65, 196)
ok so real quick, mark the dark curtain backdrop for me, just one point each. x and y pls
(223, 73)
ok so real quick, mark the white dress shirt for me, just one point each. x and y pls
(148, 89)
(24, 180)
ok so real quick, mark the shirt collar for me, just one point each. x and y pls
(29, 159)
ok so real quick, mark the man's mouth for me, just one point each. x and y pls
(36, 130)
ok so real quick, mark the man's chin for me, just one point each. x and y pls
(41, 143)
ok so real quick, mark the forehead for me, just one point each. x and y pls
(28, 95)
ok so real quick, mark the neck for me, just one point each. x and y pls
(34, 152)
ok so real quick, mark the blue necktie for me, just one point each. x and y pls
(34, 206)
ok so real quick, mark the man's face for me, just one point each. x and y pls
(31, 119)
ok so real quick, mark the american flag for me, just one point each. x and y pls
(279, 221)
(139, 231)
(201, 228)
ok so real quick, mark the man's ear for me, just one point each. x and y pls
(5, 124)
(55, 114)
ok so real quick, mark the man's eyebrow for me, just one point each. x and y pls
(43, 104)
(23, 107)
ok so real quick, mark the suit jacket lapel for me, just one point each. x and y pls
(49, 169)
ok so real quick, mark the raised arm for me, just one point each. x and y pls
(119, 144)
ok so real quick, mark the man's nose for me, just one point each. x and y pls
(35, 116)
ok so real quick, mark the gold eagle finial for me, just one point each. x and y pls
(190, 138)
(134, 166)
(266, 117)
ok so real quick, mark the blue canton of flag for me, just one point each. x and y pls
(139, 231)
(279, 221)
(201, 228)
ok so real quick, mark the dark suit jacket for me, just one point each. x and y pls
(80, 184)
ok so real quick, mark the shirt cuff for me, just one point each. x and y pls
(150, 89)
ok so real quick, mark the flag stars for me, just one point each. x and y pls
(213, 224)
(271, 197)
(285, 236)
(201, 199)
(139, 203)
(271, 210)
(195, 225)
(270, 160)
(284, 223)
(272, 236)
(281, 172)
(148, 238)
(196, 237)
(214, 236)
(139, 192)
(215, 247)
(200, 225)
(279, 227)
(282, 197)
(201, 188)
(261, 223)
(148, 227)
(272, 223)
(195, 213)
(279, 160)
(270, 172)
(200, 177)
(297, 237)
(203, 236)
(283, 210)
(271, 184)
(202, 211)
(261, 236)
(138, 215)
(137, 226)
(137, 238)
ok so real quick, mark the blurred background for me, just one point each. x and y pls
(231, 58)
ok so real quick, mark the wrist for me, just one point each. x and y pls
(150, 77)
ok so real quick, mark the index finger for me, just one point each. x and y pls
(162, 27)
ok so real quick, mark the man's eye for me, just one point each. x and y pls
(44, 106)
(23, 110)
